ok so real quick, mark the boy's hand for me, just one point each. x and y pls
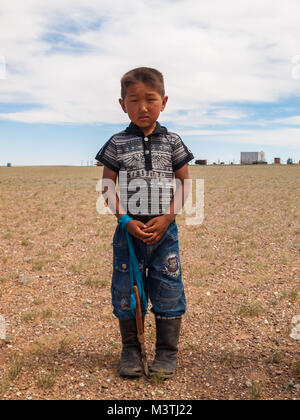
(157, 227)
(136, 229)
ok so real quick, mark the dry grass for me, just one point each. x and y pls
(241, 270)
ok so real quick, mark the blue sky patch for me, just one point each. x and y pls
(71, 26)
(6, 108)
(59, 42)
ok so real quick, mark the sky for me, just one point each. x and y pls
(231, 68)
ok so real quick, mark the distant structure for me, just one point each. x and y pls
(9, 165)
(277, 161)
(201, 162)
(289, 161)
(89, 163)
(250, 158)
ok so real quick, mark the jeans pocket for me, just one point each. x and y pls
(120, 244)
(121, 275)
(119, 239)
(120, 287)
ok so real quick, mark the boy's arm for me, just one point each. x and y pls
(159, 225)
(111, 198)
(109, 179)
(180, 195)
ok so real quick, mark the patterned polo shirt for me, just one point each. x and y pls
(145, 167)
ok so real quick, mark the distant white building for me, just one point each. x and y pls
(248, 158)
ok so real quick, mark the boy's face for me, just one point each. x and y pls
(143, 104)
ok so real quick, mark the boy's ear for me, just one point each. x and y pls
(122, 103)
(164, 103)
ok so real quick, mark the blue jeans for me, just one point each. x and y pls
(162, 281)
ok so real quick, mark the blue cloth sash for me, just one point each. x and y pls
(135, 273)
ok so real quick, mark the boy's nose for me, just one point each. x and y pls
(143, 107)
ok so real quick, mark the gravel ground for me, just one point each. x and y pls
(241, 269)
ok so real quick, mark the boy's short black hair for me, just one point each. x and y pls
(145, 75)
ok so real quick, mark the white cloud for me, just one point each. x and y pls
(280, 137)
(295, 120)
(210, 52)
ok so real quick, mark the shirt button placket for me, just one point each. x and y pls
(147, 153)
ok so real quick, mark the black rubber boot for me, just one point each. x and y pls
(167, 338)
(131, 361)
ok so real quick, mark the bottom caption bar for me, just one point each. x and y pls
(142, 409)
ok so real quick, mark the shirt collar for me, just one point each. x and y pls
(134, 129)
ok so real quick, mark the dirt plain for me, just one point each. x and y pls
(241, 269)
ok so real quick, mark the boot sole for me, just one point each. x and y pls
(160, 375)
(131, 376)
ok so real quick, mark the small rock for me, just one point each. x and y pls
(295, 334)
(87, 303)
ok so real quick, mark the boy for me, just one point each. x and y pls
(149, 156)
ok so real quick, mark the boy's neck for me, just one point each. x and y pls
(134, 129)
(146, 131)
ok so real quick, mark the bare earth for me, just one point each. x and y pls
(241, 270)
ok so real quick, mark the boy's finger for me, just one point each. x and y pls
(151, 240)
(143, 234)
(140, 224)
(150, 223)
(149, 229)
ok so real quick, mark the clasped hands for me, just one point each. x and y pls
(152, 231)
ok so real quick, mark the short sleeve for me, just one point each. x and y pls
(108, 155)
(181, 154)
